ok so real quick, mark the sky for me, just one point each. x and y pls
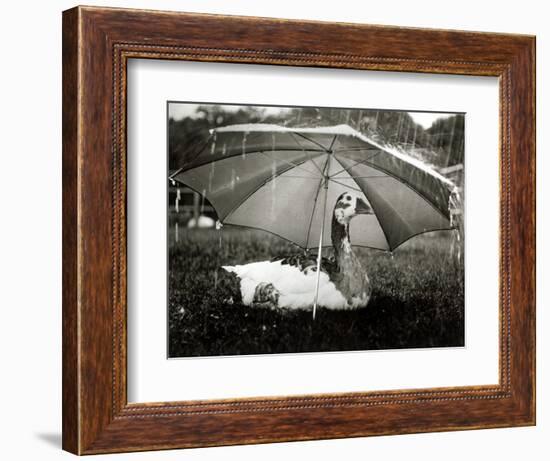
(179, 111)
(426, 119)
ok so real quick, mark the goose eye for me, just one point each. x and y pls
(348, 198)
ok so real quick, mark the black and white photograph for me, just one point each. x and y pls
(313, 229)
(275, 230)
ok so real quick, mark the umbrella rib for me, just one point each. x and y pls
(269, 179)
(375, 214)
(237, 153)
(346, 185)
(353, 244)
(373, 206)
(420, 233)
(293, 165)
(380, 224)
(405, 183)
(332, 142)
(397, 179)
(330, 245)
(315, 205)
(312, 141)
(204, 145)
(359, 162)
(199, 151)
(353, 149)
(307, 152)
(269, 232)
(356, 177)
(302, 177)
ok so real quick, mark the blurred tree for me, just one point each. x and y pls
(447, 136)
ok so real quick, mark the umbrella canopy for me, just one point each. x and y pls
(283, 180)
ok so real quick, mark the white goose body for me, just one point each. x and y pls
(296, 287)
(290, 283)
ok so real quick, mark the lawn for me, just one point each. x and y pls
(417, 301)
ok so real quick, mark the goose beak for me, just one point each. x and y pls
(361, 207)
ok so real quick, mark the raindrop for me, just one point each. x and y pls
(213, 146)
(451, 139)
(224, 149)
(215, 280)
(245, 135)
(211, 175)
(220, 246)
(202, 200)
(273, 175)
(273, 188)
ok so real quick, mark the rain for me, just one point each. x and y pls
(244, 186)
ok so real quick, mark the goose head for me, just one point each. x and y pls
(348, 205)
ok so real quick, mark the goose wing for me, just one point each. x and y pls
(307, 262)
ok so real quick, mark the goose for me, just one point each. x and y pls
(290, 281)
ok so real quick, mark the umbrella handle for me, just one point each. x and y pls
(319, 253)
(318, 273)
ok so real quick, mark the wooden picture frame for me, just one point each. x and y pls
(97, 43)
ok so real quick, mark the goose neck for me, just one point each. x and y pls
(340, 239)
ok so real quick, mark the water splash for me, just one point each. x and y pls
(455, 207)
(456, 219)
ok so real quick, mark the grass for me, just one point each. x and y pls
(417, 301)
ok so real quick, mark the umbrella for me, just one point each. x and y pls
(280, 180)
